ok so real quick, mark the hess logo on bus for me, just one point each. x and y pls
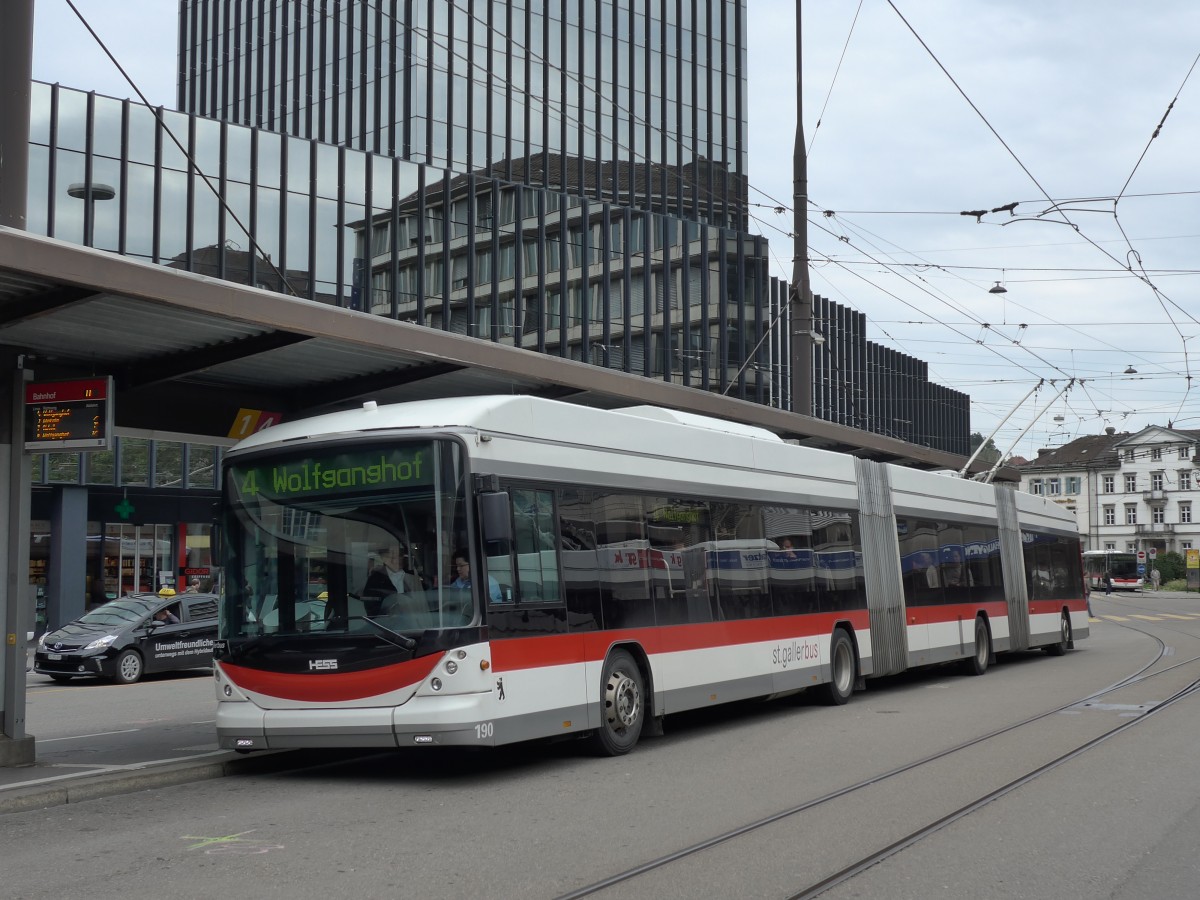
(321, 665)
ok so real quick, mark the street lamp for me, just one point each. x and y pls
(90, 192)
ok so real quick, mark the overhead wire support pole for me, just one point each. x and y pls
(962, 473)
(987, 479)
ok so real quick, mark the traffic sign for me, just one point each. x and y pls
(1153, 551)
(1141, 568)
(1141, 555)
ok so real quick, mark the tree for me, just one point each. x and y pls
(990, 452)
(1171, 566)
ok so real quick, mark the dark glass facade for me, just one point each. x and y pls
(641, 101)
(615, 286)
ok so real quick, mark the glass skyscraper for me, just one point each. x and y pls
(636, 102)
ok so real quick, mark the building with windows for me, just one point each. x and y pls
(1128, 491)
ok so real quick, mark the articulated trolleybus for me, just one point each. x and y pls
(486, 570)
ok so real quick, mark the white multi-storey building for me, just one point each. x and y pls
(1128, 491)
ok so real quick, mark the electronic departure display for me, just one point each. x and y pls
(69, 415)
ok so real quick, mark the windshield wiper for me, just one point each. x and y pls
(401, 641)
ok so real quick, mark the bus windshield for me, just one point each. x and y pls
(345, 540)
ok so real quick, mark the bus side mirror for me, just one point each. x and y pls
(495, 515)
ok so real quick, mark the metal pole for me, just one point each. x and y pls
(962, 473)
(16, 70)
(991, 473)
(801, 332)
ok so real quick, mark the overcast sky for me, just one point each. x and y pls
(916, 110)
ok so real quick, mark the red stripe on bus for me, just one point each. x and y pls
(327, 687)
(527, 653)
(1052, 607)
(954, 612)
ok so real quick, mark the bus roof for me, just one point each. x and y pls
(503, 414)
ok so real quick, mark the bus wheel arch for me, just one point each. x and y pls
(843, 667)
(624, 700)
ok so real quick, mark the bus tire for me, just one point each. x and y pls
(622, 705)
(977, 664)
(1059, 648)
(841, 669)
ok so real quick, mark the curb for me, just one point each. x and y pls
(79, 789)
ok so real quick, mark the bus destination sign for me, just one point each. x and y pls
(69, 415)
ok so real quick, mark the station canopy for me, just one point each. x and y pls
(188, 353)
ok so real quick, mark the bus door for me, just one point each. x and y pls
(537, 667)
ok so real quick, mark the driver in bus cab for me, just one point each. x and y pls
(462, 580)
(388, 577)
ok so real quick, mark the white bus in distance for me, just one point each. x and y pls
(572, 571)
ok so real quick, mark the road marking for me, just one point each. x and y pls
(1147, 618)
(230, 845)
(79, 737)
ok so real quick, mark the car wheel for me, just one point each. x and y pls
(128, 668)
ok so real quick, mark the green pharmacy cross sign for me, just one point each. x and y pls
(124, 509)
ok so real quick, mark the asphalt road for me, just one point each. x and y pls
(1120, 820)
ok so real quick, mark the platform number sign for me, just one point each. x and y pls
(249, 421)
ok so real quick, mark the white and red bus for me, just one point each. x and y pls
(1120, 565)
(623, 565)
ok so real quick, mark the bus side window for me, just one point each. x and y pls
(535, 544)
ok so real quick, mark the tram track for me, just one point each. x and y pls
(845, 873)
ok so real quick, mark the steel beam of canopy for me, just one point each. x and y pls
(42, 304)
(190, 362)
(351, 388)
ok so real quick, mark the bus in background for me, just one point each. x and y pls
(1122, 565)
(498, 569)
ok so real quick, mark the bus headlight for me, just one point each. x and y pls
(435, 683)
(451, 666)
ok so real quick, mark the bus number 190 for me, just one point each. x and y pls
(484, 731)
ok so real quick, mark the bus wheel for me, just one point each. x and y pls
(978, 663)
(1064, 638)
(622, 709)
(841, 669)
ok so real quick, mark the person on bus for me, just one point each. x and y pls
(462, 580)
(388, 577)
(923, 563)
